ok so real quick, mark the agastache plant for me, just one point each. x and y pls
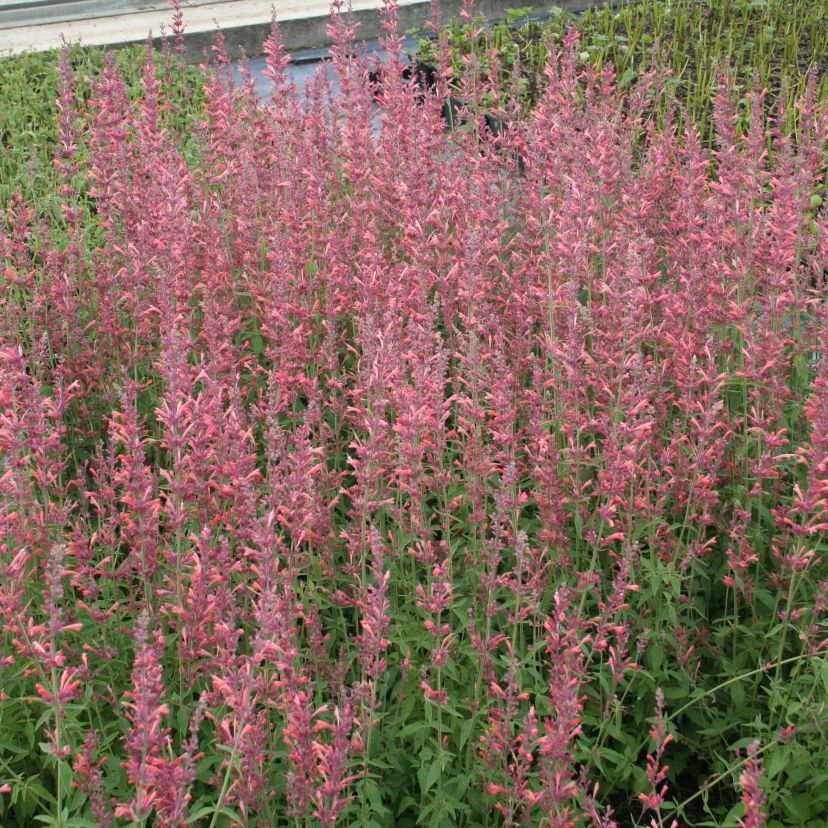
(359, 468)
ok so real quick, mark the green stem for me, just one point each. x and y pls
(713, 690)
(224, 785)
(785, 625)
(58, 747)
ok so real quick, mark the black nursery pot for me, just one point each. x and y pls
(451, 112)
(496, 126)
(423, 76)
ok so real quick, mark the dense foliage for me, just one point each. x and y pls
(358, 472)
(28, 124)
(772, 43)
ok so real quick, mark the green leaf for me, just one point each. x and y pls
(412, 728)
(799, 805)
(465, 732)
(737, 693)
(513, 15)
(372, 791)
(734, 815)
(11, 748)
(428, 776)
(209, 810)
(628, 77)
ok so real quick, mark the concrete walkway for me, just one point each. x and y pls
(245, 23)
(131, 25)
